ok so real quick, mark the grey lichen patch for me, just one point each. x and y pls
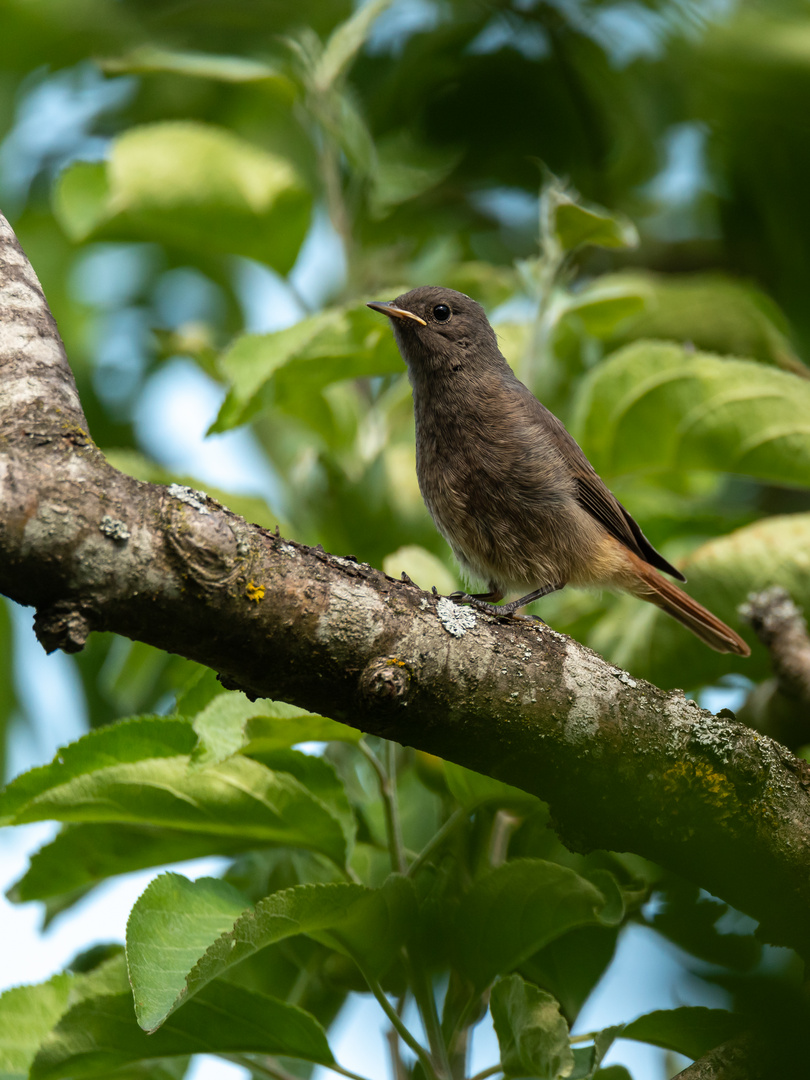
(288, 550)
(623, 677)
(115, 529)
(691, 724)
(196, 499)
(591, 693)
(716, 735)
(455, 620)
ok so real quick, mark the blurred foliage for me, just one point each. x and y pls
(216, 188)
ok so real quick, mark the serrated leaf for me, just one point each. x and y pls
(691, 1030)
(101, 1034)
(171, 925)
(81, 856)
(576, 224)
(230, 723)
(129, 740)
(27, 1014)
(369, 925)
(532, 1034)
(515, 910)
(287, 368)
(239, 797)
(193, 185)
(656, 406)
(472, 789)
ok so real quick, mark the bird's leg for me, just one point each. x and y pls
(488, 602)
(492, 597)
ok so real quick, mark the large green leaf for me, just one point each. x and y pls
(657, 406)
(518, 908)
(287, 368)
(532, 1034)
(81, 856)
(369, 925)
(710, 312)
(117, 744)
(192, 185)
(169, 928)
(27, 1014)
(575, 223)
(690, 1030)
(240, 797)
(100, 1034)
(230, 723)
(472, 789)
(721, 574)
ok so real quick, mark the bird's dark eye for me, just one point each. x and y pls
(441, 313)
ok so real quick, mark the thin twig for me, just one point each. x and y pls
(457, 818)
(389, 798)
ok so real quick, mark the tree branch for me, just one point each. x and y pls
(623, 765)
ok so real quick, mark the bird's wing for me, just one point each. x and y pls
(594, 496)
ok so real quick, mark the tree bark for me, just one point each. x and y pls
(623, 765)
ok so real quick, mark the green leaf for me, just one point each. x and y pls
(369, 925)
(81, 856)
(472, 789)
(80, 198)
(287, 368)
(345, 42)
(711, 312)
(605, 305)
(656, 406)
(515, 910)
(230, 723)
(126, 741)
(532, 1034)
(406, 169)
(169, 928)
(238, 798)
(192, 185)
(101, 1034)
(691, 1030)
(27, 1014)
(575, 223)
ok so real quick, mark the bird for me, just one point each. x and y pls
(509, 488)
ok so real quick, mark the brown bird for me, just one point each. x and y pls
(510, 490)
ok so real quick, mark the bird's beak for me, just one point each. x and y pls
(394, 312)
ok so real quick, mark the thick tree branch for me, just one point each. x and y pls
(624, 765)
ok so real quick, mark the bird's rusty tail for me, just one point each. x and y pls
(648, 584)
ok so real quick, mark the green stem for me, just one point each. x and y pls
(426, 1003)
(399, 1026)
(457, 818)
(388, 791)
(487, 1072)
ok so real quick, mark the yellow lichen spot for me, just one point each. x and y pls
(393, 662)
(254, 592)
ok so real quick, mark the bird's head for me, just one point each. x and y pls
(440, 330)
